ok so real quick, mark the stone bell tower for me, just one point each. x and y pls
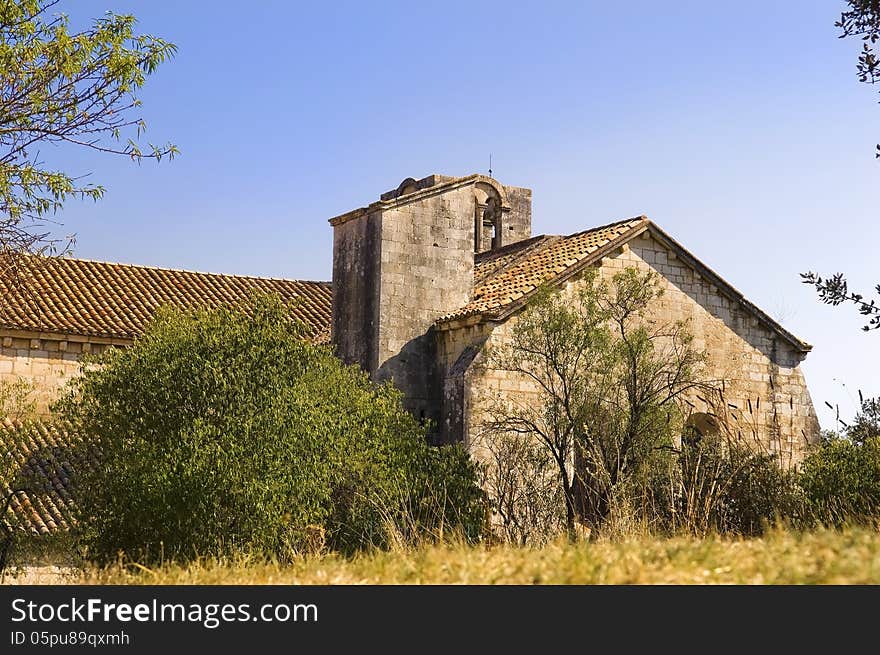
(404, 261)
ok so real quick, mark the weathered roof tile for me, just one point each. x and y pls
(39, 460)
(501, 277)
(102, 299)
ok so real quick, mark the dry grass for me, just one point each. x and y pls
(824, 557)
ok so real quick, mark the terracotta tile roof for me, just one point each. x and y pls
(490, 262)
(77, 296)
(504, 276)
(39, 458)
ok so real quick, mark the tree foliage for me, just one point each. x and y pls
(866, 424)
(224, 431)
(609, 382)
(59, 86)
(862, 20)
(841, 480)
(835, 291)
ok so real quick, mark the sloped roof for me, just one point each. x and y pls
(39, 459)
(492, 261)
(102, 299)
(505, 278)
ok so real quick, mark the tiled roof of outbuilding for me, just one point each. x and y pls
(102, 299)
(39, 460)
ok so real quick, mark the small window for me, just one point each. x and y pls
(700, 425)
(488, 227)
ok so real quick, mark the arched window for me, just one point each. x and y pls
(487, 223)
(700, 425)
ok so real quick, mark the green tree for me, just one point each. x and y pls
(59, 86)
(862, 20)
(841, 480)
(609, 383)
(866, 424)
(225, 431)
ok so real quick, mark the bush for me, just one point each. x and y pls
(841, 480)
(224, 431)
(758, 493)
(718, 485)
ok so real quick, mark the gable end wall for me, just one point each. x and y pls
(760, 369)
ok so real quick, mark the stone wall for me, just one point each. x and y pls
(427, 270)
(47, 361)
(355, 313)
(403, 262)
(763, 383)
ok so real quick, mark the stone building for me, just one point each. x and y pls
(59, 308)
(437, 270)
(423, 280)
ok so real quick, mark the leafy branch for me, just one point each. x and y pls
(63, 87)
(834, 291)
(863, 21)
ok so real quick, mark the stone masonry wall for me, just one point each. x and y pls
(402, 263)
(427, 270)
(46, 361)
(763, 383)
(355, 313)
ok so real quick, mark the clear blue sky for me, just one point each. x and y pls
(738, 127)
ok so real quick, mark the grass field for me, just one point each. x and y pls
(825, 557)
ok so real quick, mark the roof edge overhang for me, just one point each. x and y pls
(74, 335)
(645, 225)
(727, 289)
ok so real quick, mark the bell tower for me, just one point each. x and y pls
(404, 261)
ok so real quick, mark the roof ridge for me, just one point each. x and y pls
(623, 221)
(485, 297)
(182, 270)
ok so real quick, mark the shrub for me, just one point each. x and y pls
(759, 492)
(841, 480)
(716, 484)
(224, 431)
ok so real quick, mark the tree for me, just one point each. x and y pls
(225, 431)
(609, 383)
(63, 87)
(863, 21)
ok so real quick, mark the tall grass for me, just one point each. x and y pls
(849, 556)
